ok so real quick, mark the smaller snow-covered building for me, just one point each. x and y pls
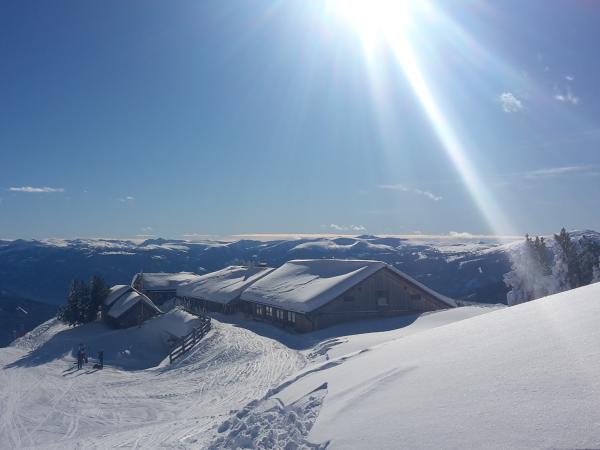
(312, 294)
(125, 307)
(160, 286)
(220, 291)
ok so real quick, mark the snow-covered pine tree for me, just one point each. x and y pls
(98, 292)
(566, 268)
(596, 272)
(543, 255)
(69, 313)
(588, 253)
(530, 275)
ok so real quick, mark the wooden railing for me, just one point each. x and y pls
(187, 342)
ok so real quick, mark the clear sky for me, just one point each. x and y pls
(184, 118)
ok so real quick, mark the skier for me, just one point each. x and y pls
(79, 359)
(80, 356)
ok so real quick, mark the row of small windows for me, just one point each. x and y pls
(278, 314)
(382, 297)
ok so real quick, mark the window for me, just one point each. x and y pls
(259, 310)
(279, 314)
(269, 311)
(291, 316)
(349, 298)
(382, 298)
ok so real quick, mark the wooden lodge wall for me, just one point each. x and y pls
(385, 293)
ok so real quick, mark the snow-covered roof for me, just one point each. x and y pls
(161, 281)
(223, 286)
(129, 300)
(305, 285)
(115, 292)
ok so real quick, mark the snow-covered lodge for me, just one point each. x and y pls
(220, 291)
(310, 294)
(160, 287)
(126, 307)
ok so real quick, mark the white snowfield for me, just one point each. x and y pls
(46, 403)
(138, 400)
(470, 377)
(223, 286)
(520, 377)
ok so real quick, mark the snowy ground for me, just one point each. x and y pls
(47, 404)
(205, 399)
(520, 377)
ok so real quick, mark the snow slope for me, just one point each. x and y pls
(48, 404)
(520, 377)
(139, 400)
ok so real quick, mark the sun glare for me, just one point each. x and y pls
(396, 24)
(375, 19)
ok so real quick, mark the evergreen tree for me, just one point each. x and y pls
(596, 272)
(98, 293)
(69, 313)
(589, 251)
(543, 255)
(530, 275)
(83, 301)
(566, 267)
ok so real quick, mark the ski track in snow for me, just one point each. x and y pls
(225, 393)
(177, 406)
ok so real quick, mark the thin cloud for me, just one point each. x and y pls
(126, 199)
(510, 103)
(551, 172)
(35, 190)
(404, 188)
(569, 77)
(546, 173)
(567, 97)
(335, 227)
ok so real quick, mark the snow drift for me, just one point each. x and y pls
(521, 377)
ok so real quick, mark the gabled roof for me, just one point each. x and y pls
(305, 285)
(129, 300)
(115, 292)
(161, 281)
(223, 286)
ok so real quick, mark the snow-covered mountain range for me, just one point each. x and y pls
(464, 268)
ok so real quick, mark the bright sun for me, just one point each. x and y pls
(375, 18)
(399, 25)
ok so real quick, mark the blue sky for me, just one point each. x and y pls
(187, 118)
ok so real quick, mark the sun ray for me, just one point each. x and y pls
(393, 23)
